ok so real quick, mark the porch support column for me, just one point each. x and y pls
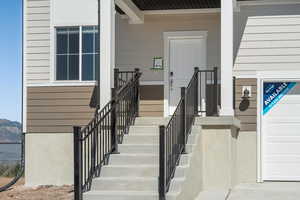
(226, 58)
(107, 49)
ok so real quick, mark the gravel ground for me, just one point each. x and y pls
(20, 192)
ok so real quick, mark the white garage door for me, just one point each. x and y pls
(281, 131)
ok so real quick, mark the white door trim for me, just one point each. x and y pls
(171, 36)
(261, 77)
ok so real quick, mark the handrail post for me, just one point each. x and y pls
(216, 96)
(197, 91)
(162, 164)
(234, 90)
(116, 78)
(77, 163)
(183, 118)
(137, 73)
(113, 126)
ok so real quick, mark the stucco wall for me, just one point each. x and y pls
(49, 159)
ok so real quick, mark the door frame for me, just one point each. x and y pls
(168, 36)
(267, 76)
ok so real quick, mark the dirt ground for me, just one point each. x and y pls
(20, 192)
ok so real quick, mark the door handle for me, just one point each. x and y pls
(171, 80)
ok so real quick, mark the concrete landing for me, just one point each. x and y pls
(213, 195)
(266, 191)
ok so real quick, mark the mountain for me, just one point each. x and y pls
(10, 131)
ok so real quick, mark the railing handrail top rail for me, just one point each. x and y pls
(129, 82)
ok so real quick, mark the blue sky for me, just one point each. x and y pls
(10, 59)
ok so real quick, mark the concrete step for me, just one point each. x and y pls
(132, 184)
(145, 148)
(149, 139)
(136, 171)
(141, 159)
(213, 195)
(125, 184)
(144, 130)
(146, 121)
(125, 195)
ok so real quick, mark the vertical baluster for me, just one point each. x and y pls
(114, 137)
(183, 120)
(162, 163)
(137, 74)
(216, 96)
(116, 78)
(77, 164)
(196, 91)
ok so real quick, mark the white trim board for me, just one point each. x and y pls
(167, 37)
(151, 82)
(24, 89)
(267, 2)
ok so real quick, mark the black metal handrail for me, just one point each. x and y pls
(100, 138)
(209, 92)
(174, 136)
(121, 78)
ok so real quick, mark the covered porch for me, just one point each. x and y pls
(166, 40)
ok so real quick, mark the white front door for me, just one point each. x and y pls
(184, 55)
(281, 131)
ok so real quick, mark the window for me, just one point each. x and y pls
(70, 50)
(90, 52)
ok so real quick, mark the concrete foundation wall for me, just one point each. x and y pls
(219, 159)
(193, 183)
(247, 157)
(49, 159)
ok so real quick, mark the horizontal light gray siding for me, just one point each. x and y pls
(37, 49)
(269, 38)
(246, 111)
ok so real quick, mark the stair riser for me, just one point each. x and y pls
(125, 185)
(148, 121)
(145, 149)
(135, 172)
(149, 139)
(88, 196)
(140, 160)
(136, 130)
(120, 197)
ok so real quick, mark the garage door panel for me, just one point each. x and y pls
(271, 121)
(281, 110)
(278, 148)
(281, 131)
(282, 171)
(290, 99)
(284, 140)
(282, 158)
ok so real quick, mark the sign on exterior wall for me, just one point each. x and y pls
(274, 92)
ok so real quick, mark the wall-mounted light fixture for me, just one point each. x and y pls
(246, 92)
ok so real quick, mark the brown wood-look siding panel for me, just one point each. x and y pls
(246, 111)
(152, 104)
(152, 92)
(58, 109)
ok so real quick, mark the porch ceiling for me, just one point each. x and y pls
(175, 4)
